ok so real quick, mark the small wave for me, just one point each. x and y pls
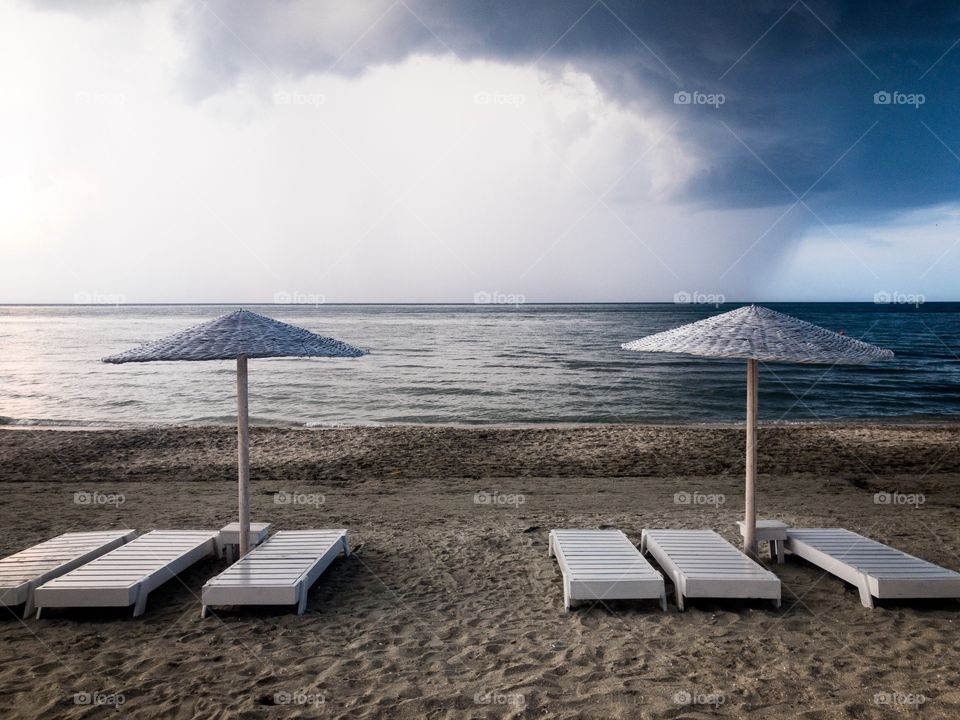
(58, 423)
(335, 424)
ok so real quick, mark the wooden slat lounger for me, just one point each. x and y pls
(878, 570)
(125, 576)
(703, 564)
(603, 565)
(24, 571)
(278, 572)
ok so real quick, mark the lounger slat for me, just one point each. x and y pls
(278, 572)
(703, 564)
(127, 575)
(22, 572)
(603, 565)
(878, 570)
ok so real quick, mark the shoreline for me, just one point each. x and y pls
(878, 421)
(856, 452)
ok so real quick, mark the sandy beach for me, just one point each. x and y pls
(450, 606)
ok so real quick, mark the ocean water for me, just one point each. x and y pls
(471, 364)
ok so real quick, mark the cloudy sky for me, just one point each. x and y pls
(427, 150)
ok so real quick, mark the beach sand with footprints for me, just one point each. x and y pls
(450, 606)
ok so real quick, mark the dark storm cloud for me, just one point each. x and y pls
(798, 79)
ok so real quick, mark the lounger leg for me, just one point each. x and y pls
(679, 598)
(302, 605)
(643, 542)
(663, 601)
(779, 552)
(865, 597)
(203, 611)
(772, 545)
(39, 612)
(229, 554)
(566, 596)
(550, 545)
(28, 606)
(346, 547)
(140, 607)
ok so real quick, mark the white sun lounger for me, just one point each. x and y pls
(703, 564)
(125, 576)
(878, 570)
(603, 565)
(22, 572)
(278, 572)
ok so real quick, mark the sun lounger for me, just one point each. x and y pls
(278, 572)
(125, 576)
(703, 564)
(878, 570)
(603, 565)
(24, 571)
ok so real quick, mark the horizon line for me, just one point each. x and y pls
(476, 304)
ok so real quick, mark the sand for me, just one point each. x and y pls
(451, 608)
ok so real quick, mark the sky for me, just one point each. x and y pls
(497, 151)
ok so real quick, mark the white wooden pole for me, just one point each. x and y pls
(750, 511)
(243, 454)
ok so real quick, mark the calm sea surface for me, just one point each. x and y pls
(467, 364)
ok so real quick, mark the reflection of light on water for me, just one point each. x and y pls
(464, 364)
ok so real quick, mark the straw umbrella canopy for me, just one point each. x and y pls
(239, 336)
(758, 334)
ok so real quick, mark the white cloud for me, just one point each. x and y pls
(427, 180)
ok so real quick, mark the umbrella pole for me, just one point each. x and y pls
(750, 511)
(243, 454)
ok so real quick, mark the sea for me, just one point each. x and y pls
(485, 364)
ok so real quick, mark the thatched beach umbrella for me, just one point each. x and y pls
(759, 334)
(239, 336)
